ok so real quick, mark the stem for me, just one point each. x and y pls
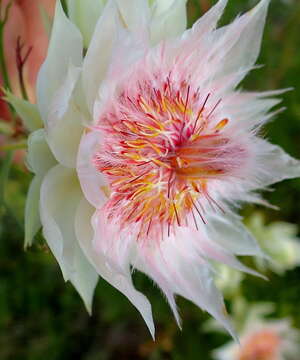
(4, 174)
(14, 146)
(22, 85)
(2, 60)
(21, 60)
(3, 67)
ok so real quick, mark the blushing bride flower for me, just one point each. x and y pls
(262, 339)
(147, 148)
(278, 240)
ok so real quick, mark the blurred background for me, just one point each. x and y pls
(41, 317)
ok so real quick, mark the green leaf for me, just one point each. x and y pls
(28, 112)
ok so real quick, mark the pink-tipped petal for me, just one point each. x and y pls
(177, 269)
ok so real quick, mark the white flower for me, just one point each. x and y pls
(278, 240)
(262, 339)
(228, 280)
(175, 100)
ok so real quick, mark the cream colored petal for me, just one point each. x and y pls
(39, 157)
(85, 15)
(60, 197)
(119, 280)
(65, 121)
(65, 48)
(169, 19)
(98, 55)
(85, 277)
(39, 160)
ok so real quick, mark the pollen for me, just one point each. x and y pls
(165, 143)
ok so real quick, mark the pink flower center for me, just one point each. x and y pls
(263, 345)
(163, 147)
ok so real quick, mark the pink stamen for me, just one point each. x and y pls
(158, 161)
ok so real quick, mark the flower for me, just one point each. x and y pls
(147, 147)
(278, 240)
(26, 24)
(262, 339)
(228, 280)
(24, 47)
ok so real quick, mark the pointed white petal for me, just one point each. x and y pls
(39, 161)
(32, 216)
(85, 15)
(209, 249)
(64, 126)
(274, 165)
(238, 44)
(230, 233)
(168, 20)
(27, 112)
(120, 280)
(60, 197)
(178, 269)
(92, 182)
(248, 109)
(84, 278)
(65, 48)
(207, 22)
(98, 55)
(197, 47)
(39, 157)
(128, 48)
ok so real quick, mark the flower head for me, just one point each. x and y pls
(164, 148)
(262, 339)
(278, 240)
(148, 146)
(173, 145)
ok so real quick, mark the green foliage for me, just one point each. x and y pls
(41, 317)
